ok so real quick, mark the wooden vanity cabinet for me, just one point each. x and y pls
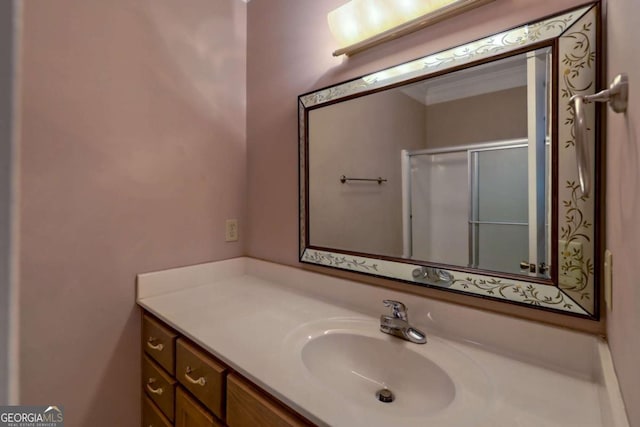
(247, 406)
(184, 386)
(191, 414)
(151, 415)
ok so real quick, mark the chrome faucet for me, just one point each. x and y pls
(398, 323)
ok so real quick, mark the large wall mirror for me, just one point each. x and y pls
(458, 170)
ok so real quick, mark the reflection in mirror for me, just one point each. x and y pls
(465, 167)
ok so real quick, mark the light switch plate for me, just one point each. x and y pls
(608, 279)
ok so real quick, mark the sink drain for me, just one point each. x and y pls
(385, 395)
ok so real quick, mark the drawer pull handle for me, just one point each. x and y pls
(200, 381)
(157, 391)
(153, 346)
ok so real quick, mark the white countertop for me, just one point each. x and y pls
(248, 312)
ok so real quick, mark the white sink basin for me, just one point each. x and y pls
(358, 366)
(349, 360)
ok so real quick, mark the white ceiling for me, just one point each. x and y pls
(499, 75)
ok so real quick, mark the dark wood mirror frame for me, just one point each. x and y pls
(575, 41)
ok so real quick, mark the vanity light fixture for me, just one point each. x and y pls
(361, 24)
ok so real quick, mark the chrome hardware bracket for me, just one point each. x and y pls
(618, 98)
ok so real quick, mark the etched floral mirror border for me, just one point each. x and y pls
(576, 35)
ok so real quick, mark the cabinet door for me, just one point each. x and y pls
(249, 407)
(151, 415)
(189, 413)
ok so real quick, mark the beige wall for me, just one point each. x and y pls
(469, 121)
(133, 155)
(623, 203)
(361, 138)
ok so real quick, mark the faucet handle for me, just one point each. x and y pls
(398, 309)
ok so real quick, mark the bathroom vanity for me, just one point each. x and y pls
(292, 347)
(218, 396)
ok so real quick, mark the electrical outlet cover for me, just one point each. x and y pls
(231, 230)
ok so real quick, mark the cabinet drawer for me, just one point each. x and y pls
(151, 415)
(158, 386)
(202, 376)
(248, 407)
(189, 413)
(159, 342)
